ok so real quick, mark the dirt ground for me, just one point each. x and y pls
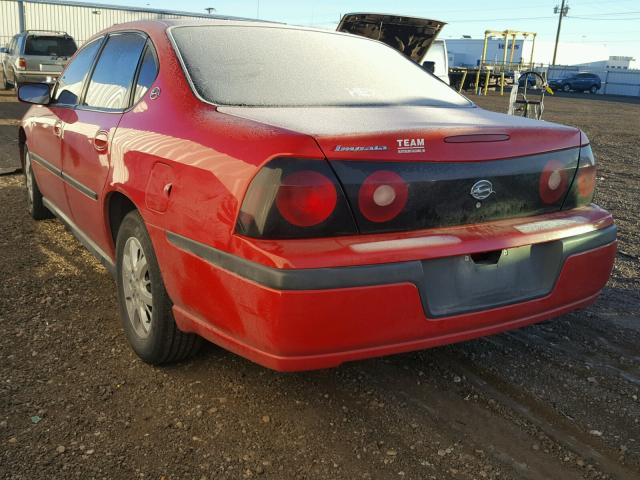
(557, 400)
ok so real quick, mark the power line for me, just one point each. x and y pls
(610, 13)
(500, 19)
(604, 19)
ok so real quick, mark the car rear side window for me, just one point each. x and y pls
(147, 74)
(50, 46)
(112, 77)
(70, 84)
(276, 66)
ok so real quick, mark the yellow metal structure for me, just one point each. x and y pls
(504, 66)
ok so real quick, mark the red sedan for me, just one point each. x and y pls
(305, 198)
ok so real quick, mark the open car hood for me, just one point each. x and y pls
(411, 36)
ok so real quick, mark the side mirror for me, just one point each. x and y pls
(429, 66)
(37, 93)
(4, 49)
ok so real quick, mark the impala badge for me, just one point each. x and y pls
(482, 189)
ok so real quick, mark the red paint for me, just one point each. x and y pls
(209, 155)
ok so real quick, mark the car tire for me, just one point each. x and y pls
(145, 306)
(36, 207)
(566, 87)
(594, 89)
(5, 84)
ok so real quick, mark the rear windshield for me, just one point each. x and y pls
(50, 46)
(272, 66)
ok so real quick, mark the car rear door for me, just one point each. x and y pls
(87, 139)
(47, 127)
(584, 81)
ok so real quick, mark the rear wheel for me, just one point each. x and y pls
(145, 307)
(566, 87)
(594, 89)
(36, 207)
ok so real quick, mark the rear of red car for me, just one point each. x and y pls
(421, 221)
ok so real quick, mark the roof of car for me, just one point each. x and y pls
(217, 20)
(163, 24)
(46, 32)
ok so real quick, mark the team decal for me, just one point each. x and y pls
(410, 145)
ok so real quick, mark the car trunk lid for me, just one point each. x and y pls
(412, 36)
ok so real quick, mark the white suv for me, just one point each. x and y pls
(36, 56)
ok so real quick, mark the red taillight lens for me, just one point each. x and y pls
(382, 196)
(306, 198)
(22, 63)
(295, 198)
(554, 182)
(584, 183)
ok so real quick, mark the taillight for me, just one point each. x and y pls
(554, 181)
(295, 198)
(22, 64)
(306, 198)
(382, 196)
(584, 182)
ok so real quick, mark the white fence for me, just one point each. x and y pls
(614, 81)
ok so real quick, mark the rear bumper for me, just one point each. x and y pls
(429, 277)
(36, 77)
(300, 319)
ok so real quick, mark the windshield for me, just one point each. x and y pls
(50, 46)
(273, 66)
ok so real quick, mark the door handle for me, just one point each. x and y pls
(57, 129)
(101, 141)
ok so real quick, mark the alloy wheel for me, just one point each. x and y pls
(136, 283)
(28, 175)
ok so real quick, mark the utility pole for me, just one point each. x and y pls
(210, 9)
(21, 16)
(562, 12)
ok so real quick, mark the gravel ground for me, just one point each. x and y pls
(557, 400)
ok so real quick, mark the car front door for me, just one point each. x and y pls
(87, 137)
(46, 129)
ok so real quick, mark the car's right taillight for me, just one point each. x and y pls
(584, 181)
(295, 198)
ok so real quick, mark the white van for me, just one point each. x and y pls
(436, 60)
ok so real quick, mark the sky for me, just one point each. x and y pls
(591, 31)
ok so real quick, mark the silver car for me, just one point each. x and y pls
(36, 56)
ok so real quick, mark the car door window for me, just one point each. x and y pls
(69, 88)
(147, 74)
(112, 77)
(19, 44)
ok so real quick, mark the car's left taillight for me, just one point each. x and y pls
(584, 181)
(22, 64)
(295, 198)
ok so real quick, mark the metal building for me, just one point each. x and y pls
(80, 20)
